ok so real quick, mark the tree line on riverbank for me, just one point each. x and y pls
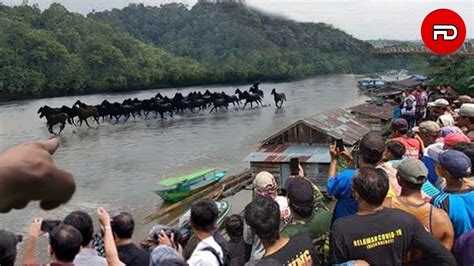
(55, 52)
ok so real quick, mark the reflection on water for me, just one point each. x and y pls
(120, 164)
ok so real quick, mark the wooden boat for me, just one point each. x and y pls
(178, 188)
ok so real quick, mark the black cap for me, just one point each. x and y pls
(400, 125)
(300, 192)
(372, 142)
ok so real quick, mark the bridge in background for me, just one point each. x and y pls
(465, 50)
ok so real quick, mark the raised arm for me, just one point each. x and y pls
(33, 234)
(111, 252)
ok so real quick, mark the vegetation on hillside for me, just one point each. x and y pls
(455, 70)
(56, 52)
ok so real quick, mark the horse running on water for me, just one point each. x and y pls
(249, 98)
(279, 98)
(85, 111)
(53, 117)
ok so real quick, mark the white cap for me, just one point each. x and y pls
(439, 103)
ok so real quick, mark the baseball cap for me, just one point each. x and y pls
(450, 130)
(466, 110)
(428, 127)
(465, 99)
(439, 103)
(264, 180)
(455, 138)
(8, 242)
(300, 192)
(400, 124)
(456, 163)
(413, 171)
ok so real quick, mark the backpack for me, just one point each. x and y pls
(225, 250)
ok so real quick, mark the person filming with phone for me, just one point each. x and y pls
(64, 242)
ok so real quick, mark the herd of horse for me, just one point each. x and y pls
(193, 102)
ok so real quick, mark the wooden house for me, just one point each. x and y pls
(376, 116)
(307, 139)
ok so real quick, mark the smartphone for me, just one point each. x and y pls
(114, 212)
(294, 166)
(19, 238)
(339, 145)
(48, 225)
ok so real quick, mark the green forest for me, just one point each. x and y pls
(55, 52)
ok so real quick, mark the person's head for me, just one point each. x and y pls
(397, 100)
(399, 127)
(453, 165)
(466, 148)
(419, 88)
(82, 222)
(371, 149)
(234, 226)
(164, 255)
(465, 115)
(428, 131)
(394, 150)
(455, 138)
(265, 185)
(370, 186)
(123, 226)
(411, 174)
(439, 106)
(300, 198)
(64, 243)
(204, 215)
(263, 217)
(8, 243)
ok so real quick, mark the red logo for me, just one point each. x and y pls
(443, 31)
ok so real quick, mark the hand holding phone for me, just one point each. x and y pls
(48, 225)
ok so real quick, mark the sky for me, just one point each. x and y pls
(364, 19)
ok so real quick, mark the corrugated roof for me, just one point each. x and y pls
(408, 83)
(337, 123)
(284, 152)
(372, 110)
(387, 91)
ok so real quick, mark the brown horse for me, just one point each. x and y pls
(85, 111)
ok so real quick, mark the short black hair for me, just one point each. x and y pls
(204, 215)
(123, 225)
(396, 148)
(234, 226)
(82, 222)
(65, 241)
(371, 184)
(263, 216)
(371, 147)
(466, 148)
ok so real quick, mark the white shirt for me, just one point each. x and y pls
(202, 257)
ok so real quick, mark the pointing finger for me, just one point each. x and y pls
(50, 145)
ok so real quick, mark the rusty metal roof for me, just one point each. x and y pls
(407, 83)
(387, 91)
(337, 123)
(372, 110)
(284, 152)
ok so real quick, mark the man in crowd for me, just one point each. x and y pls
(339, 185)
(441, 108)
(466, 148)
(123, 226)
(412, 173)
(458, 197)
(306, 218)
(210, 251)
(87, 256)
(8, 243)
(64, 243)
(428, 132)
(413, 147)
(263, 217)
(408, 109)
(381, 236)
(465, 119)
(421, 103)
(234, 227)
(265, 186)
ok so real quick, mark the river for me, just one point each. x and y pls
(119, 165)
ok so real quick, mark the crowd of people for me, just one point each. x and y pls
(403, 197)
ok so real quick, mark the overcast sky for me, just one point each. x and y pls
(364, 19)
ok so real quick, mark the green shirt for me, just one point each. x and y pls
(318, 224)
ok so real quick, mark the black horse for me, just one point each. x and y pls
(219, 103)
(71, 113)
(249, 98)
(85, 111)
(231, 99)
(53, 119)
(255, 90)
(278, 97)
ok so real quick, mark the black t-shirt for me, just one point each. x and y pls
(383, 238)
(131, 255)
(298, 251)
